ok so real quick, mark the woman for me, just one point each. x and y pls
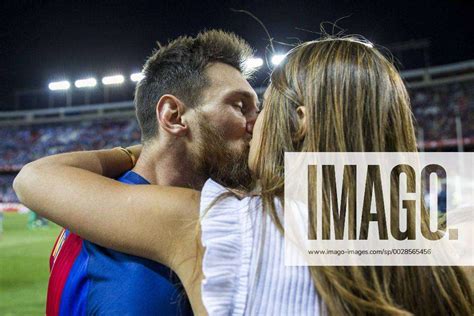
(335, 94)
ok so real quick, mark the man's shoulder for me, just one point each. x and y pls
(131, 177)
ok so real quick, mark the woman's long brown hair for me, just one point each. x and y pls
(355, 101)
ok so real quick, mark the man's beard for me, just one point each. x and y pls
(224, 165)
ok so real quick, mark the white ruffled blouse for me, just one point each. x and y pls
(243, 264)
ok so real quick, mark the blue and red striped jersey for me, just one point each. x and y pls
(87, 279)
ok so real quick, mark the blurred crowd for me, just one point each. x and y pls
(22, 144)
(7, 195)
(435, 109)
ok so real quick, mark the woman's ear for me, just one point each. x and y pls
(302, 124)
(169, 111)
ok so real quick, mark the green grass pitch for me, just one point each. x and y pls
(24, 265)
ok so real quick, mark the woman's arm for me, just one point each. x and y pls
(148, 221)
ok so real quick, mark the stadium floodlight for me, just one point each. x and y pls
(85, 83)
(253, 63)
(116, 79)
(138, 76)
(59, 85)
(276, 59)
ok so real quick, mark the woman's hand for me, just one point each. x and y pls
(107, 162)
(136, 150)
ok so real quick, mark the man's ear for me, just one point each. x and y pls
(169, 111)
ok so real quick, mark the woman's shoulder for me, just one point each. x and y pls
(217, 199)
(227, 238)
(224, 213)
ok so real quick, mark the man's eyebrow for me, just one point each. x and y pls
(244, 93)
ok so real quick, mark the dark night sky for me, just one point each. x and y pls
(42, 41)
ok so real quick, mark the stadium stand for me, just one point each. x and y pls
(436, 110)
(442, 105)
(22, 144)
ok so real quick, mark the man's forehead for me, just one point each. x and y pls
(228, 80)
(220, 73)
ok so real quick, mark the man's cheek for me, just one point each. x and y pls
(233, 129)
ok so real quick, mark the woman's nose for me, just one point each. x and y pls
(249, 127)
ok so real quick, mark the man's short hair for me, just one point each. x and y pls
(178, 69)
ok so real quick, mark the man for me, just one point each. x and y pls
(196, 112)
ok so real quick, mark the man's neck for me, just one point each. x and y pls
(164, 165)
